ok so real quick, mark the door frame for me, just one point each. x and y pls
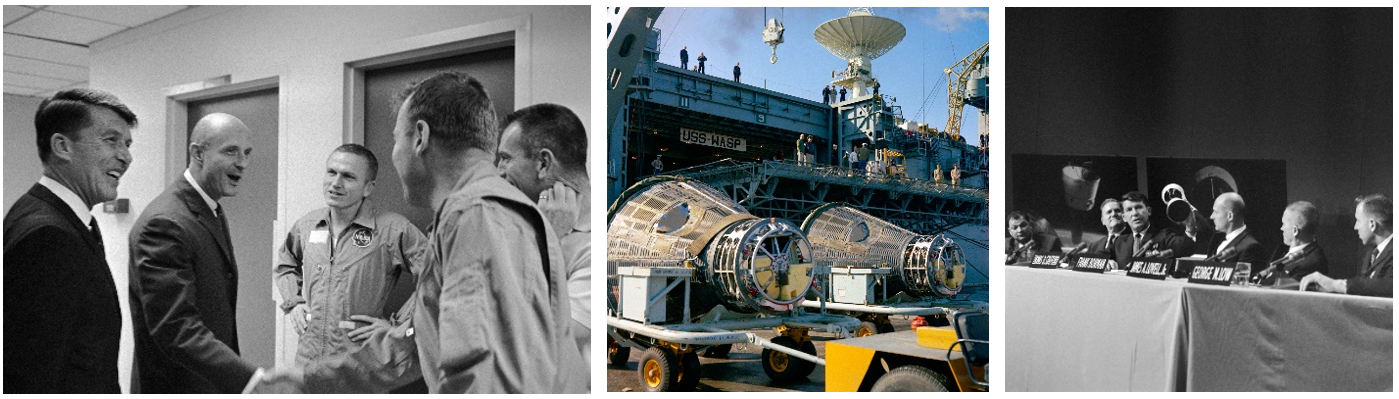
(491, 35)
(177, 119)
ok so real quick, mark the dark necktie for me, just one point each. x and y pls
(96, 232)
(1370, 268)
(1111, 238)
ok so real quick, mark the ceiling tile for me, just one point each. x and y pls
(19, 79)
(67, 28)
(23, 91)
(46, 50)
(15, 12)
(44, 68)
(129, 16)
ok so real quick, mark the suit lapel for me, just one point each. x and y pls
(1382, 259)
(43, 194)
(208, 220)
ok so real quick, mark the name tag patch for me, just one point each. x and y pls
(319, 236)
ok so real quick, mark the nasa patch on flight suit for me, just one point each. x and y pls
(361, 238)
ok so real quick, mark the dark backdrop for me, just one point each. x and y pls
(1311, 87)
(1038, 187)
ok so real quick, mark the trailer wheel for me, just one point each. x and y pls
(867, 328)
(911, 379)
(657, 370)
(807, 367)
(886, 326)
(718, 351)
(617, 354)
(782, 368)
(689, 374)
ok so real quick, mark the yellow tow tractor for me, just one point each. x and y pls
(938, 359)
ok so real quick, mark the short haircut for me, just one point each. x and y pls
(554, 127)
(456, 108)
(1106, 202)
(1310, 217)
(1379, 207)
(68, 112)
(1234, 203)
(364, 152)
(1134, 196)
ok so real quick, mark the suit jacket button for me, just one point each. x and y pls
(229, 275)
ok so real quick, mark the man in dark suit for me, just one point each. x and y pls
(1026, 240)
(1112, 221)
(62, 318)
(1143, 239)
(184, 281)
(1228, 217)
(684, 57)
(1304, 256)
(1374, 222)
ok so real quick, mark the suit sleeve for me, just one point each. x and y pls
(1253, 254)
(409, 259)
(162, 267)
(1381, 286)
(288, 271)
(1180, 245)
(470, 241)
(42, 283)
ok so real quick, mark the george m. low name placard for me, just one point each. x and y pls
(1212, 273)
(713, 140)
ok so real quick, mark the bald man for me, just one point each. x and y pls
(1228, 217)
(184, 281)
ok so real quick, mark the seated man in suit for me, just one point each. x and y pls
(1304, 256)
(1228, 217)
(1112, 221)
(1026, 240)
(62, 319)
(1374, 222)
(1144, 239)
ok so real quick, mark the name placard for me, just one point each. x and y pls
(1152, 268)
(1212, 273)
(1045, 261)
(1091, 264)
(713, 140)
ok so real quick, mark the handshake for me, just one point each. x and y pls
(279, 381)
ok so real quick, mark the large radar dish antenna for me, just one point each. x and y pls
(859, 38)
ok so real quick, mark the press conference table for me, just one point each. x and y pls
(1074, 331)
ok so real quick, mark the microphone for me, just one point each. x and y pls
(1081, 246)
(1278, 265)
(1150, 246)
(1227, 252)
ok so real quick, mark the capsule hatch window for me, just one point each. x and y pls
(673, 219)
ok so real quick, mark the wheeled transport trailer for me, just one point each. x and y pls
(867, 257)
(666, 233)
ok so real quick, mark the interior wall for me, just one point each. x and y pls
(307, 48)
(22, 167)
(1311, 87)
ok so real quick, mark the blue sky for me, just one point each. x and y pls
(937, 38)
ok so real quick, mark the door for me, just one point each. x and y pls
(251, 216)
(495, 69)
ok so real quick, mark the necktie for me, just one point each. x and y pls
(1111, 238)
(1137, 243)
(96, 232)
(1370, 268)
